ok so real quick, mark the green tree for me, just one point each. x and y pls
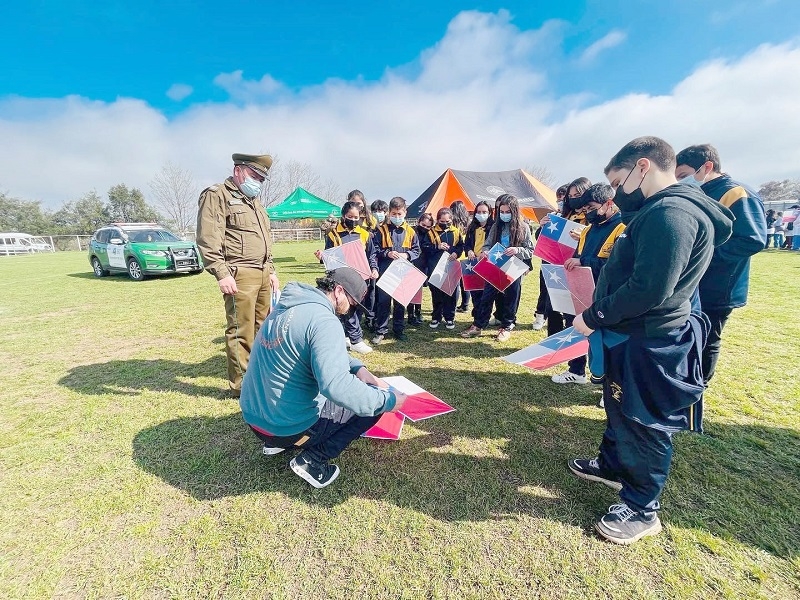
(82, 217)
(129, 206)
(24, 216)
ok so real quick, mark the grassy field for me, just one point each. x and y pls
(125, 472)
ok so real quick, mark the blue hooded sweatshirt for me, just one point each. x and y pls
(299, 360)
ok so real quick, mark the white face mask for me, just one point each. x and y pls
(250, 187)
(379, 216)
(689, 179)
(481, 217)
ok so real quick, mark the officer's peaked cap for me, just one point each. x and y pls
(259, 163)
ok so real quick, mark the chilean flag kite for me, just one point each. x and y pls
(500, 270)
(555, 244)
(401, 281)
(419, 405)
(472, 281)
(570, 291)
(350, 254)
(446, 274)
(551, 351)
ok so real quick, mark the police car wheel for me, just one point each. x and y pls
(98, 268)
(135, 270)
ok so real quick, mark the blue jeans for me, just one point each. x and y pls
(777, 240)
(336, 428)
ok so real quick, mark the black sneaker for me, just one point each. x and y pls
(400, 336)
(462, 309)
(590, 470)
(318, 474)
(622, 525)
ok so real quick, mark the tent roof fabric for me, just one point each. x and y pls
(535, 198)
(301, 204)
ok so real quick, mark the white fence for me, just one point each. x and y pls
(80, 243)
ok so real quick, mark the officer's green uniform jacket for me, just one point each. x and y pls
(232, 230)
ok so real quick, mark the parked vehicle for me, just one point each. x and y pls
(141, 250)
(22, 243)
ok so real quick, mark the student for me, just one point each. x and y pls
(473, 244)
(573, 211)
(725, 284)
(443, 238)
(461, 221)
(395, 240)
(653, 378)
(368, 222)
(510, 231)
(348, 230)
(540, 314)
(424, 224)
(594, 248)
(379, 210)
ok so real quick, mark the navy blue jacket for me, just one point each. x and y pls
(388, 237)
(430, 244)
(725, 284)
(597, 241)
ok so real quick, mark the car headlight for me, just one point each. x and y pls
(154, 252)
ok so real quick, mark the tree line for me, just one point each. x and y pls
(172, 201)
(174, 194)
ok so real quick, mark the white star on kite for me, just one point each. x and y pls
(554, 276)
(468, 266)
(497, 255)
(566, 338)
(553, 226)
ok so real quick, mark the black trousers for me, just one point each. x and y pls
(718, 319)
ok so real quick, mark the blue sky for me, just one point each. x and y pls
(147, 80)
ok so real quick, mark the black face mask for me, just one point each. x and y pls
(630, 202)
(351, 223)
(593, 217)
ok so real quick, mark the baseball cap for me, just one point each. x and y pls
(352, 283)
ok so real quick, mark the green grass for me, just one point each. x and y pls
(124, 471)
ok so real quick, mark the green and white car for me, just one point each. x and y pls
(141, 250)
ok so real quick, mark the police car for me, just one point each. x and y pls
(141, 250)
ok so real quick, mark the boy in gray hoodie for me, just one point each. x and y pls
(302, 389)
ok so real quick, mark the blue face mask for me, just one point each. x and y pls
(379, 216)
(397, 221)
(505, 217)
(250, 187)
(481, 217)
(689, 179)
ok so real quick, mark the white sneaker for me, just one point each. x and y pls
(361, 347)
(493, 322)
(569, 377)
(538, 322)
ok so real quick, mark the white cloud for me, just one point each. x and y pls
(179, 91)
(613, 38)
(478, 100)
(245, 90)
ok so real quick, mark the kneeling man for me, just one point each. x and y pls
(301, 389)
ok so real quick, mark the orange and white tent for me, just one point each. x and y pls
(535, 198)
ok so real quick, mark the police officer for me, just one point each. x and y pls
(234, 238)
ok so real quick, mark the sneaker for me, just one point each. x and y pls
(271, 450)
(493, 322)
(361, 347)
(602, 402)
(471, 332)
(589, 469)
(400, 336)
(318, 474)
(569, 377)
(622, 525)
(450, 324)
(596, 379)
(538, 322)
(503, 335)
(433, 324)
(462, 309)
(378, 339)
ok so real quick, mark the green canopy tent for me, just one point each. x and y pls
(301, 204)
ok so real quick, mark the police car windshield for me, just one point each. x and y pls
(151, 235)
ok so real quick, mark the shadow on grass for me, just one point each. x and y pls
(500, 455)
(130, 377)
